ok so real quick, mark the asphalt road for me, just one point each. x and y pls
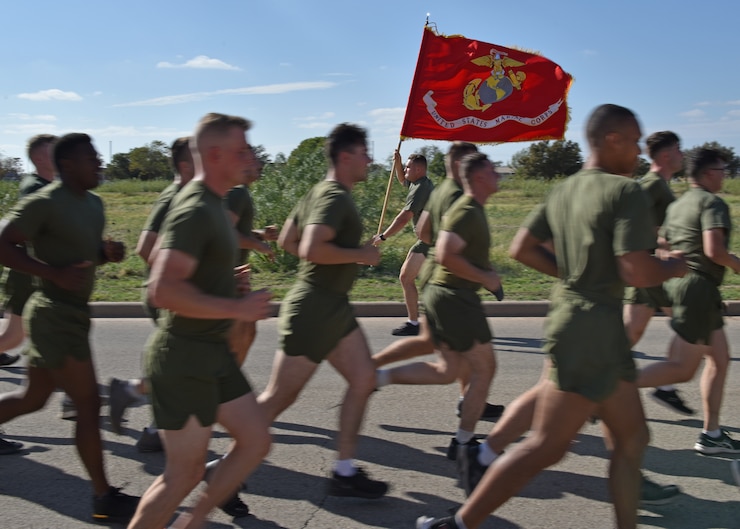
(406, 432)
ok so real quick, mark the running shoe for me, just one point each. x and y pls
(724, 444)
(9, 447)
(407, 329)
(427, 522)
(468, 467)
(652, 493)
(149, 441)
(454, 445)
(491, 411)
(672, 401)
(114, 506)
(7, 359)
(119, 398)
(359, 485)
(68, 411)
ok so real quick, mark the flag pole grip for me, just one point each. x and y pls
(388, 189)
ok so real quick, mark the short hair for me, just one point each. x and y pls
(218, 124)
(67, 145)
(180, 152)
(342, 138)
(39, 141)
(418, 158)
(471, 163)
(701, 159)
(457, 150)
(606, 119)
(658, 141)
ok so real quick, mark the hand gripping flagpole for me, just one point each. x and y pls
(388, 189)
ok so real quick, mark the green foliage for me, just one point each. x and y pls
(149, 162)
(10, 167)
(548, 160)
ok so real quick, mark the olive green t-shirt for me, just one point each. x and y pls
(63, 228)
(440, 200)
(466, 218)
(592, 217)
(161, 206)
(696, 211)
(239, 202)
(331, 204)
(198, 225)
(659, 195)
(418, 196)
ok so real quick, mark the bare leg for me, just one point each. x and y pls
(185, 451)
(29, 398)
(406, 348)
(409, 272)
(627, 435)
(246, 423)
(558, 417)
(482, 362)
(713, 378)
(683, 361)
(13, 334)
(289, 375)
(636, 318)
(351, 358)
(443, 371)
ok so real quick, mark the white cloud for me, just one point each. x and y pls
(315, 125)
(51, 94)
(387, 116)
(735, 102)
(29, 117)
(589, 53)
(325, 115)
(693, 114)
(249, 90)
(200, 62)
(734, 113)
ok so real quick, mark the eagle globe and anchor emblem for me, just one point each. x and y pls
(480, 94)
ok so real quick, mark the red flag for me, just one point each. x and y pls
(473, 91)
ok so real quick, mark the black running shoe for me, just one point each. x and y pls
(452, 449)
(358, 485)
(9, 447)
(426, 522)
(235, 507)
(491, 411)
(671, 400)
(114, 506)
(407, 329)
(468, 467)
(7, 359)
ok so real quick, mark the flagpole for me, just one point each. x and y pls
(388, 189)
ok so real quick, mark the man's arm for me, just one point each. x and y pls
(250, 242)
(289, 237)
(533, 252)
(145, 244)
(424, 228)
(641, 269)
(398, 168)
(317, 247)
(403, 217)
(714, 241)
(169, 288)
(448, 253)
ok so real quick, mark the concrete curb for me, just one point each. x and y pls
(381, 309)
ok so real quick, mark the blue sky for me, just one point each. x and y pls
(132, 72)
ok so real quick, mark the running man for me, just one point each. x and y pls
(316, 321)
(19, 286)
(453, 310)
(193, 375)
(414, 177)
(600, 227)
(64, 224)
(640, 304)
(699, 225)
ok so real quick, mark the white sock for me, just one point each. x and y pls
(669, 387)
(382, 377)
(459, 522)
(486, 456)
(345, 467)
(463, 436)
(413, 322)
(132, 388)
(714, 433)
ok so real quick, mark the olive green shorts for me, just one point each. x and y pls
(697, 307)
(313, 320)
(151, 310)
(190, 377)
(588, 347)
(18, 288)
(56, 330)
(653, 297)
(420, 247)
(455, 317)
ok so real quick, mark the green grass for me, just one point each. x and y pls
(128, 204)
